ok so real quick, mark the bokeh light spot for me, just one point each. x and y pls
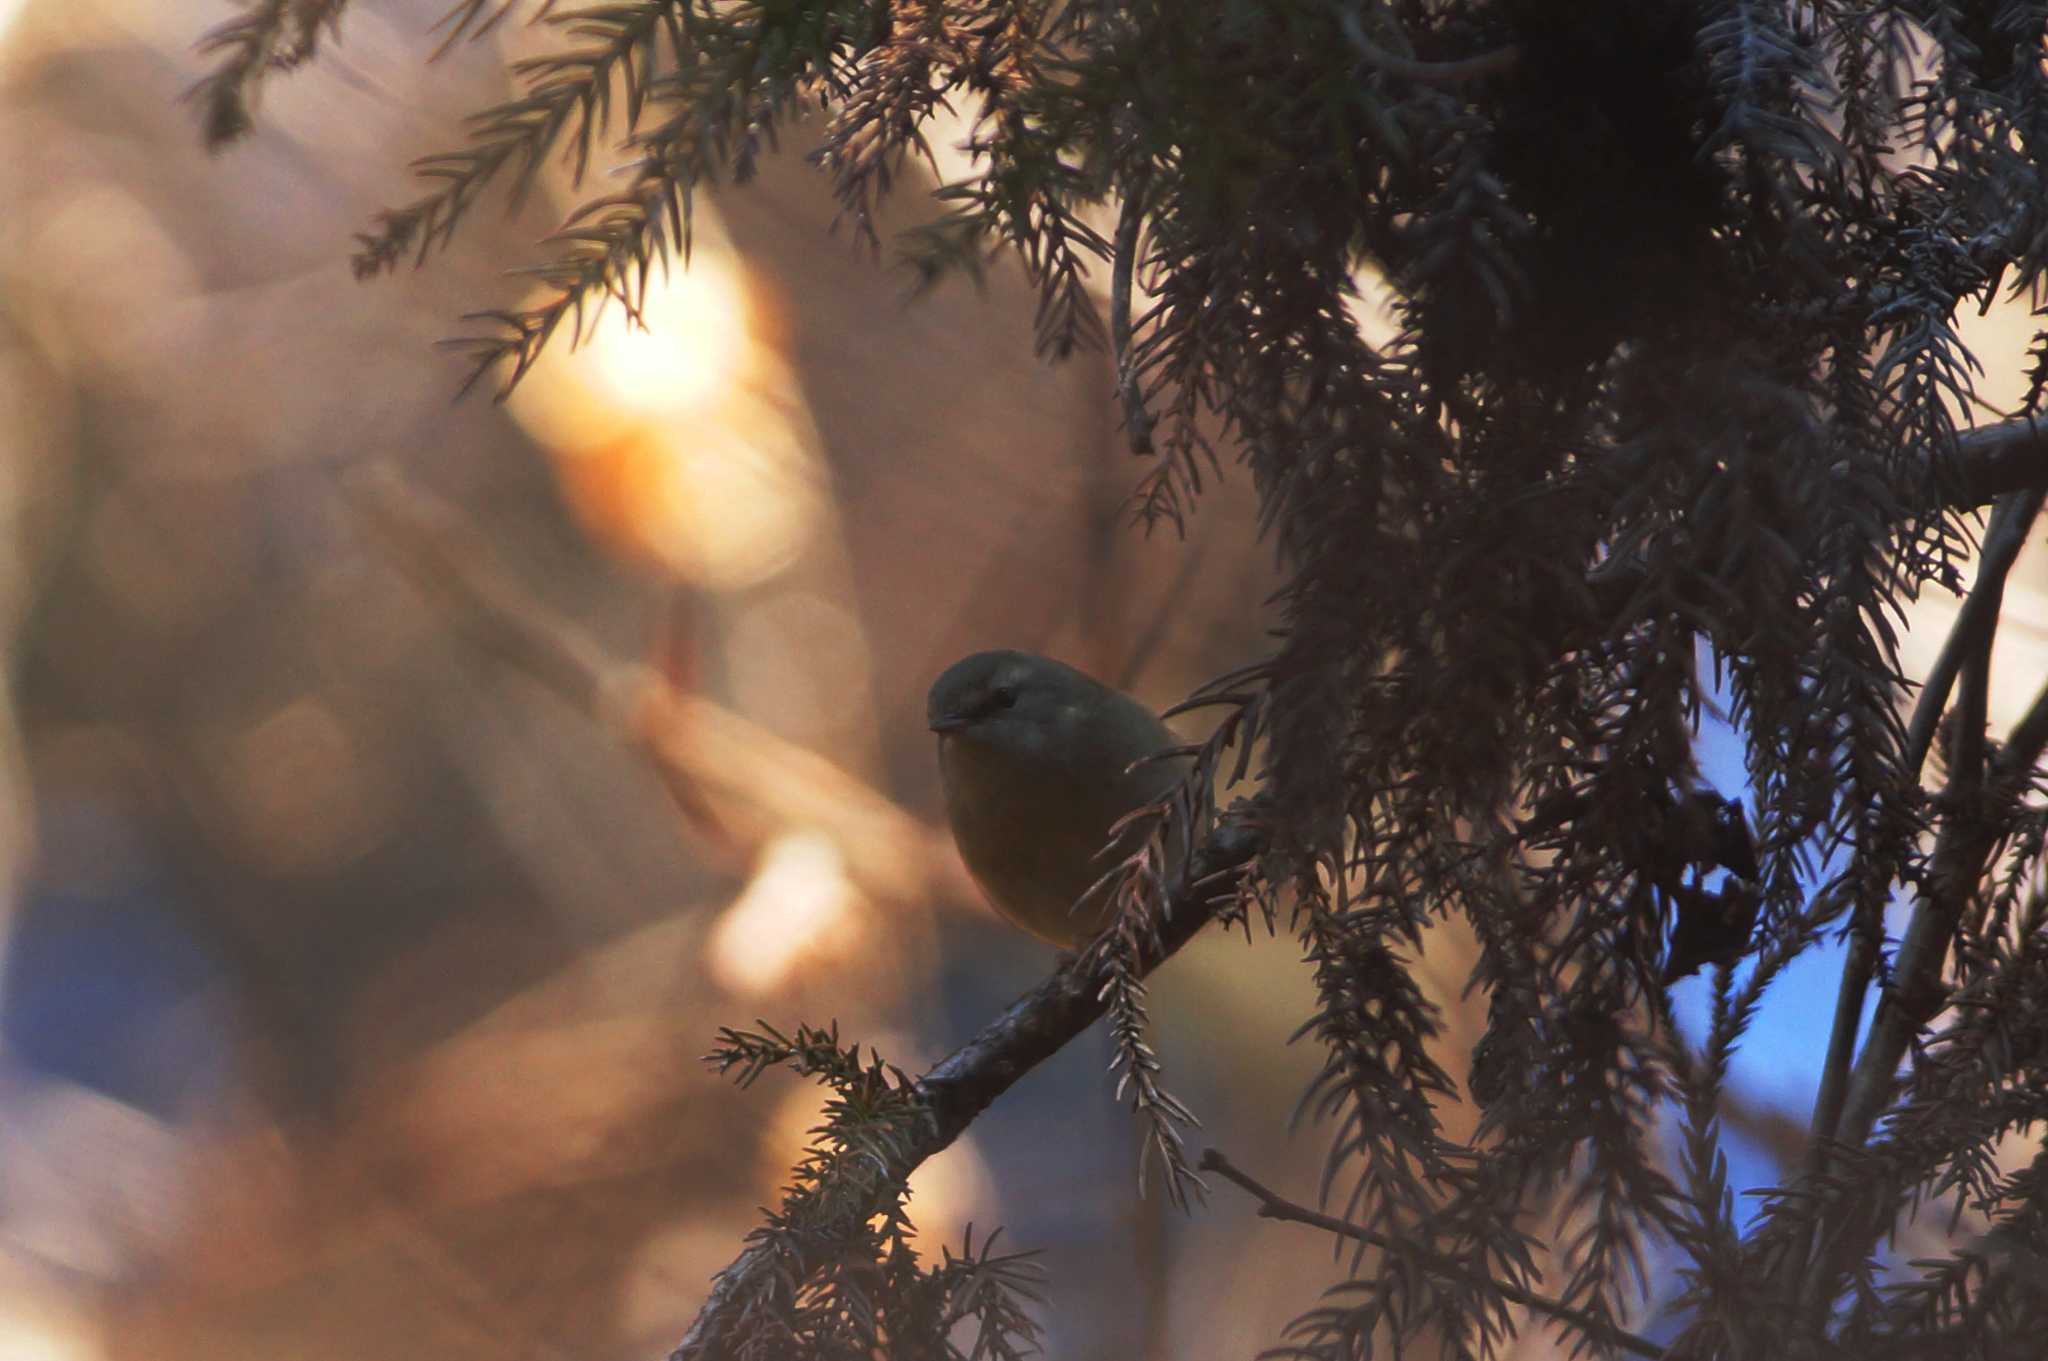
(799, 905)
(679, 437)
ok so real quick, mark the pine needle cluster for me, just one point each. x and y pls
(1671, 411)
(836, 1270)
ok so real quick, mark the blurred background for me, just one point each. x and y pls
(397, 792)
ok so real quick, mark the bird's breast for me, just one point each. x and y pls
(1031, 832)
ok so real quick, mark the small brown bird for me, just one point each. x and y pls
(1039, 761)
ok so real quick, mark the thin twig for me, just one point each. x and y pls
(1274, 1206)
(1129, 225)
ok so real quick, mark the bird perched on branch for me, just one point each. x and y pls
(1039, 762)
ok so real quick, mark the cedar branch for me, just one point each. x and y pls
(953, 1092)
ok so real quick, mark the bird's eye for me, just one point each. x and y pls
(1003, 698)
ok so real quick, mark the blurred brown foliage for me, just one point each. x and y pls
(355, 984)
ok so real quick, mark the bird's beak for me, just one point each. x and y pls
(946, 723)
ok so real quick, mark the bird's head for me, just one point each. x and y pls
(1005, 699)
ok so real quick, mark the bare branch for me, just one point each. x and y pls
(1990, 461)
(1971, 634)
(1995, 459)
(1958, 861)
(1129, 225)
(1274, 1206)
(1970, 637)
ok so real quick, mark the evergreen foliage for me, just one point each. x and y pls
(1677, 376)
(864, 1291)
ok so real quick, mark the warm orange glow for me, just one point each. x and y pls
(800, 904)
(10, 10)
(693, 345)
(30, 1339)
(950, 1192)
(683, 442)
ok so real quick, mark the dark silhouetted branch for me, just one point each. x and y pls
(964, 1083)
(1274, 1206)
(1990, 461)
(1995, 459)
(1959, 855)
(1970, 637)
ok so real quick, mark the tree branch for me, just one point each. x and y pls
(964, 1083)
(1969, 638)
(1990, 461)
(2003, 539)
(2024, 744)
(1959, 854)
(1274, 1206)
